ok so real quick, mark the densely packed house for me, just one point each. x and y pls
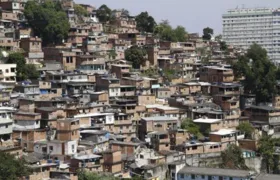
(93, 111)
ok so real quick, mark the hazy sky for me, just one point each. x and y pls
(194, 15)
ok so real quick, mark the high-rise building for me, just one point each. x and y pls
(243, 27)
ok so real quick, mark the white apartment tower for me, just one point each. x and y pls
(243, 27)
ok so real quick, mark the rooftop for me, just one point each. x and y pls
(215, 172)
(206, 120)
(88, 156)
(224, 132)
(268, 177)
(265, 108)
(159, 118)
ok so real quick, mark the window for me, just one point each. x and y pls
(69, 60)
(7, 70)
(193, 176)
(73, 148)
(203, 176)
(182, 175)
(51, 148)
(7, 125)
(37, 122)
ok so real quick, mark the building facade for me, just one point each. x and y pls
(243, 27)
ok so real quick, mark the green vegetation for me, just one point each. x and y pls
(151, 72)
(82, 175)
(232, 158)
(12, 168)
(136, 55)
(80, 10)
(93, 176)
(180, 33)
(112, 54)
(259, 73)
(104, 13)
(48, 21)
(145, 22)
(125, 12)
(169, 74)
(207, 33)
(24, 71)
(165, 32)
(266, 149)
(218, 37)
(191, 127)
(223, 46)
(246, 128)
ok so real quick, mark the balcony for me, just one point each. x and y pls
(187, 68)
(226, 139)
(36, 55)
(166, 140)
(230, 72)
(127, 131)
(44, 85)
(128, 93)
(122, 122)
(89, 164)
(4, 99)
(129, 110)
(236, 116)
(140, 108)
(27, 116)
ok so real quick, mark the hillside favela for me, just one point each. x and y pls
(95, 92)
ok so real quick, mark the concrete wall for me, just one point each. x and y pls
(26, 124)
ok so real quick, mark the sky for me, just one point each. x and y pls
(194, 15)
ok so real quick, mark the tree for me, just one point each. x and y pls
(207, 33)
(48, 21)
(112, 54)
(232, 158)
(266, 149)
(169, 74)
(32, 72)
(125, 12)
(145, 22)
(223, 46)
(218, 37)
(180, 33)
(259, 73)
(165, 32)
(246, 128)
(19, 60)
(12, 168)
(83, 175)
(191, 127)
(104, 13)
(24, 71)
(136, 55)
(80, 10)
